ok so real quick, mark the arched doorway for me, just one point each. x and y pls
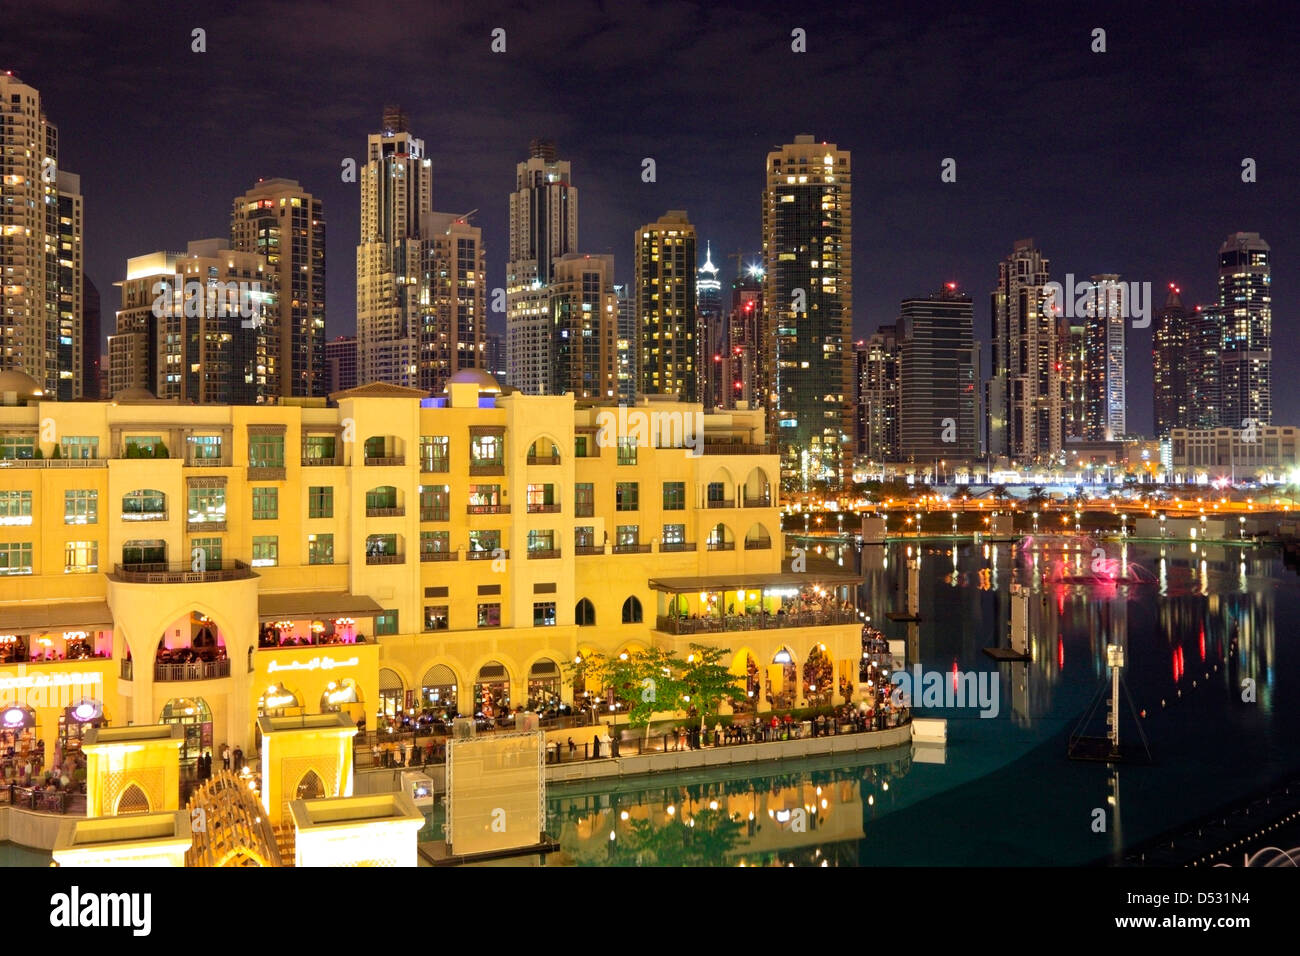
(746, 669)
(343, 696)
(132, 800)
(544, 687)
(438, 695)
(20, 739)
(783, 680)
(310, 786)
(492, 691)
(75, 721)
(195, 716)
(818, 677)
(392, 694)
(191, 648)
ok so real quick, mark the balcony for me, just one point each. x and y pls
(217, 462)
(144, 515)
(488, 509)
(588, 549)
(721, 503)
(54, 463)
(738, 448)
(542, 553)
(385, 512)
(163, 573)
(384, 462)
(320, 462)
(584, 509)
(485, 555)
(631, 549)
(720, 546)
(543, 459)
(670, 546)
(758, 501)
(758, 544)
(487, 468)
(385, 559)
(435, 514)
(205, 524)
(752, 622)
(543, 509)
(197, 670)
(266, 472)
(437, 555)
(434, 466)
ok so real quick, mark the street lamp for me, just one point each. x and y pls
(1035, 522)
(1077, 515)
(1162, 524)
(954, 524)
(1242, 535)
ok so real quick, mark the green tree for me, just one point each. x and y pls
(707, 682)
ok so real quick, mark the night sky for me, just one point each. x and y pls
(1127, 161)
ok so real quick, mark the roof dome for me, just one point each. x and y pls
(18, 381)
(474, 376)
(134, 394)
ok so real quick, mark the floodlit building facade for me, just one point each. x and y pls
(665, 307)
(207, 565)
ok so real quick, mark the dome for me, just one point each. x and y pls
(134, 394)
(475, 376)
(19, 382)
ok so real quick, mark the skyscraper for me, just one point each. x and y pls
(1246, 345)
(665, 305)
(584, 315)
(710, 329)
(41, 235)
(1076, 380)
(452, 303)
(281, 221)
(543, 227)
(495, 356)
(341, 364)
(396, 190)
(938, 376)
(1025, 397)
(1204, 371)
(91, 369)
(806, 361)
(625, 343)
(1106, 403)
(744, 322)
(1170, 364)
(876, 401)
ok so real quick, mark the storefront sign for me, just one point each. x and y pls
(58, 689)
(316, 663)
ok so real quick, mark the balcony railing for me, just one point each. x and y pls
(487, 468)
(677, 546)
(381, 461)
(543, 509)
(54, 462)
(435, 514)
(266, 472)
(486, 555)
(539, 553)
(631, 549)
(438, 555)
(218, 462)
(721, 503)
(738, 448)
(758, 544)
(720, 546)
(543, 459)
(757, 501)
(434, 465)
(586, 549)
(753, 622)
(320, 462)
(488, 509)
(163, 573)
(385, 559)
(193, 526)
(584, 509)
(196, 670)
(393, 512)
(144, 515)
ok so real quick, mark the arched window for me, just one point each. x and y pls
(584, 614)
(133, 800)
(310, 787)
(632, 611)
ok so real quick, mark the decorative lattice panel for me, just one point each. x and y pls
(293, 769)
(149, 782)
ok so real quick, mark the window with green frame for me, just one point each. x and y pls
(674, 495)
(320, 501)
(385, 496)
(205, 447)
(319, 447)
(80, 557)
(626, 496)
(143, 504)
(266, 550)
(266, 451)
(15, 507)
(206, 504)
(386, 622)
(81, 506)
(320, 549)
(79, 446)
(211, 548)
(17, 447)
(433, 453)
(435, 542)
(627, 451)
(266, 504)
(16, 557)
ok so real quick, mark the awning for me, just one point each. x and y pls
(308, 605)
(72, 615)
(753, 582)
